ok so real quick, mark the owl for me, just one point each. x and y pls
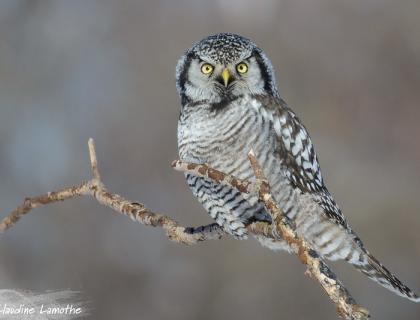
(230, 105)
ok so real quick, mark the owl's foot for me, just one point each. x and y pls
(207, 228)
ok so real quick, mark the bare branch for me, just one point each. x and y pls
(203, 170)
(281, 228)
(34, 202)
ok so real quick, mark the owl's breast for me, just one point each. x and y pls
(223, 138)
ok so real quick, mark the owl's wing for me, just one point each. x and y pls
(302, 169)
(299, 157)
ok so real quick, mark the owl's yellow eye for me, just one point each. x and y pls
(242, 67)
(206, 68)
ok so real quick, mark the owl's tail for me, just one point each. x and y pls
(378, 273)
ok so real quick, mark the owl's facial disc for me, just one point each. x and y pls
(222, 68)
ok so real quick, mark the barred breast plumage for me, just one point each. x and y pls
(230, 105)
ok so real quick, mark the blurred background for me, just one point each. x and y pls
(70, 70)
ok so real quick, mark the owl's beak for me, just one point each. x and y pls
(225, 76)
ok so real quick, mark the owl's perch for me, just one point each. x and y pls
(281, 227)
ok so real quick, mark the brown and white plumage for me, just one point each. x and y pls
(229, 109)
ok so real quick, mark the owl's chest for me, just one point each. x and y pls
(223, 138)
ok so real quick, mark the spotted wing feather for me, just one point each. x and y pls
(299, 156)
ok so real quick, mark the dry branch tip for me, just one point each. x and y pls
(93, 160)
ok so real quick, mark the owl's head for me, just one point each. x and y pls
(223, 67)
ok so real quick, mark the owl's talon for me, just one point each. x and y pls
(189, 230)
(201, 229)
